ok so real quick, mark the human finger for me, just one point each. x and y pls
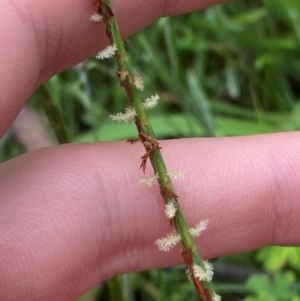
(42, 38)
(73, 215)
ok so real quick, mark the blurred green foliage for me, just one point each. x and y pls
(279, 288)
(232, 69)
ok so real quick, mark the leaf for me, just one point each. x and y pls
(274, 258)
(278, 289)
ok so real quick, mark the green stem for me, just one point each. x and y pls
(115, 287)
(146, 135)
(54, 116)
(56, 121)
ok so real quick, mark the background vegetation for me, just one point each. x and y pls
(233, 69)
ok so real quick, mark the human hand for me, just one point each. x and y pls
(73, 215)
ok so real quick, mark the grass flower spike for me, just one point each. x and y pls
(199, 270)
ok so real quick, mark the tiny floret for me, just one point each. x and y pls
(107, 52)
(149, 181)
(200, 227)
(96, 17)
(128, 116)
(138, 82)
(188, 274)
(147, 144)
(203, 273)
(119, 117)
(151, 102)
(123, 74)
(171, 209)
(209, 270)
(176, 175)
(199, 272)
(216, 297)
(167, 243)
(130, 112)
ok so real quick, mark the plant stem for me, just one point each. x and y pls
(127, 79)
(54, 116)
(115, 287)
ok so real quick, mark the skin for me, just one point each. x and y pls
(73, 215)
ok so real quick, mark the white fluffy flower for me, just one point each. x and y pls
(216, 297)
(128, 116)
(203, 273)
(209, 270)
(188, 274)
(200, 227)
(151, 101)
(138, 82)
(176, 174)
(199, 272)
(168, 242)
(96, 17)
(170, 209)
(149, 181)
(107, 52)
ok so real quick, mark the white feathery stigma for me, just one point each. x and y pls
(151, 101)
(107, 52)
(203, 274)
(209, 270)
(216, 297)
(200, 227)
(128, 116)
(130, 112)
(96, 17)
(171, 209)
(176, 175)
(188, 274)
(138, 82)
(148, 181)
(167, 243)
(199, 272)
